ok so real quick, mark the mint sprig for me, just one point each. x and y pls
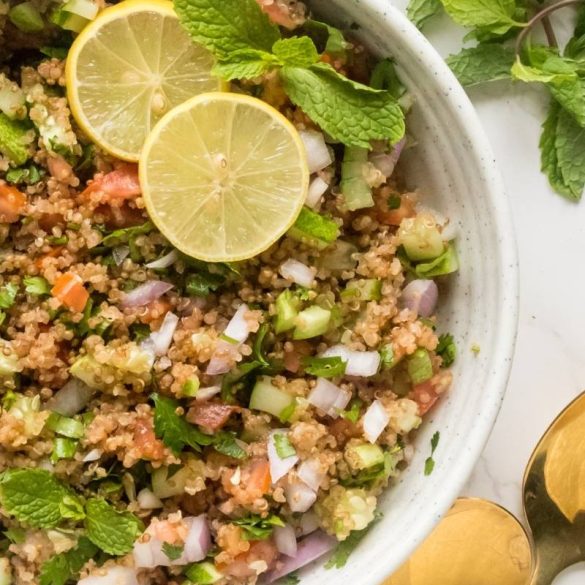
(63, 568)
(247, 45)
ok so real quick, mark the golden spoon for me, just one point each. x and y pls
(479, 543)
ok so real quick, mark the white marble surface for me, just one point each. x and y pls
(549, 365)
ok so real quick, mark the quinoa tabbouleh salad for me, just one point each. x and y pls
(217, 299)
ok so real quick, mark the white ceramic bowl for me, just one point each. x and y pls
(454, 167)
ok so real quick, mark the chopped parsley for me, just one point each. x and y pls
(394, 202)
(324, 367)
(344, 549)
(352, 414)
(36, 285)
(226, 442)
(283, 446)
(257, 528)
(447, 349)
(430, 462)
(172, 551)
(8, 295)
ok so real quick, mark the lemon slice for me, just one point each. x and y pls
(223, 176)
(128, 68)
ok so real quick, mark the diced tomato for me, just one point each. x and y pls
(70, 291)
(123, 183)
(146, 442)
(211, 415)
(259, 477)
(120, 216)
(425, 396)
(12, 203)
(393, 216)
(278, 13)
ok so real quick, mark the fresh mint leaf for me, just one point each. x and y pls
(571, 95)
(34, 496)
(258, 528)
(482, 13)
(283, 446)
(570, 146)
(324, 367)
(36, 285)
(328, 39)
(421, 11)
(225, 442)
(296, 51)
(172, 551)
(384, 77)
(447, 349)
(112, 531)
(127, 235)
(348, 111)
(291, 579)
(430, 462)
(224, 26)
(65, 567)
(175, 432)
(8, 295)
(245, 64)
(483, 63)
(548, 152)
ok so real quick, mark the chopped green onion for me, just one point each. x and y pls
(286, 414)
(447, 349)
(36, 285)
(26, 17)
(324, 367)
(190, 387)
(420, 367)
(63, 448)
(387, 356)
(352, 414)
(68, 427)
(57, 241)
(312, 322)
(394, 202)
(283, 446)
(314, 229)
(354, 187)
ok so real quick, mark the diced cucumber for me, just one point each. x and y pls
(420, 367)
(12, 99)
(314, 229)
(312, 322)
(339, 256)
(5, 572)
(354, 187)
(26, 17)
(364, 289)
(203, 574)
(446, 263)
(269, 398)
(421, 238)
(8, 364)
(87, 9)
(190, 387)
(366, 455)
(75, 14)
(287, 309)
(65, 426)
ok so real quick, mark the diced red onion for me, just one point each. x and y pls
(165, 261)
(278, 467)
(298, 272)
(238, 328)
(358, 363)
(197, 544)
(317, 189)
(93, 455)
(375, 421)
(72, 398)
(329, 398)
(309, 523)
(111, 576)
(309, 549)
(161, 340)
(146, 293)
(147, 500)
(386, 162)
(318, 154)
(285, 540)
(299, 496)
(223, 358)
(311, 472)
(421, 297)
(198, 541)
(207, 393)
(120, 253)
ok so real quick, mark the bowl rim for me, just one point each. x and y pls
(507, 256)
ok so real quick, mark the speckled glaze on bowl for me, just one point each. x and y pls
(453, 165)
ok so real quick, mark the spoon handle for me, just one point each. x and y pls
(544, 575)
